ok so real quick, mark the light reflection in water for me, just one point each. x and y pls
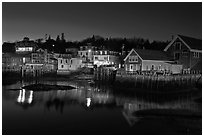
(19, 96)
(30, 99)
(88, 102)
(22, 97)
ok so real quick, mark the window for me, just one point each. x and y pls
(133, 59)
(152, 67)
(62, 66)
(105, 58)
(178, 46)
(61, 61)
(86, 53)
(66, 60)
(81, 53)
(71, 61)
(96, 58)
(196, 54)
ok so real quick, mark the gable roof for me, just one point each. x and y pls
(150, 55)
(133, 50)
(191, 43)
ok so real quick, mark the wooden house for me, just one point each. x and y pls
(150, 60)
(186, 51)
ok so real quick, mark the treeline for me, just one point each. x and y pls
(115, 44)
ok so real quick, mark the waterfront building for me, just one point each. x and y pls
(186, 51)
(150, 60)
(25, 46)
(67, 64)
(63, 65)
(106, 57)
(12, 62)
(86, 53)
(41, 62)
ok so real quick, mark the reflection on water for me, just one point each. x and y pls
(22, 96)
(102, 102)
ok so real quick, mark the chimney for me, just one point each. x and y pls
(172, 37)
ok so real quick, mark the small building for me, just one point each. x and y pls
(63, 65)
(106, 57)
(150, 60)
(67, 64)
(25, 46)
(86, 54)
(186, 51)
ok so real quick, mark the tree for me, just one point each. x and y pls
(58, 39)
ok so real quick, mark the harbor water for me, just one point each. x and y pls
(96, 109)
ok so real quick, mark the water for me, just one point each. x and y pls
(97, 110)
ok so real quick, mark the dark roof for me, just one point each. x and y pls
(197, 66)
(152, 55)
(193, 43)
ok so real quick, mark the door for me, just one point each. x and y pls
(131, 67)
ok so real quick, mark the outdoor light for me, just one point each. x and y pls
(53, 45)
(89, 50)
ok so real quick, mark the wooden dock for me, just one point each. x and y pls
(159, 82)
(152, 82)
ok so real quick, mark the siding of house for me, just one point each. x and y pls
(75, 63)
(148, 65)
(63, 64)
(86, 55)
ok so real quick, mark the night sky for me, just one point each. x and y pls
(155, 21)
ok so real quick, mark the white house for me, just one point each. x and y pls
(150, 60)
(105, 57)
